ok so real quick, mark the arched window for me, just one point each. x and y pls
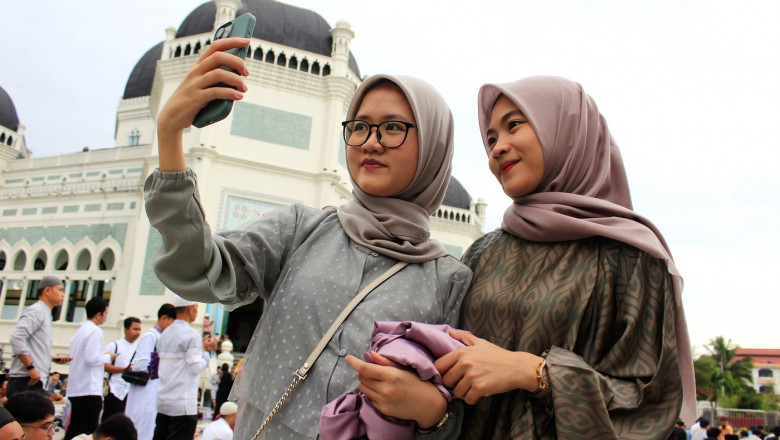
(2, 260)
(765, 372)
(281, 60)
(84, 260)
(258, 55)
(197, 47)
(249, 51)
(187, 49)
(107, 260)
(10, 141)
(293, 62)
(2, 137)
(326, 70)
(20, 260)
(177, 53)
(269, 56)
(304, 65)
(61, 260)
(315, 68)
(39, 263)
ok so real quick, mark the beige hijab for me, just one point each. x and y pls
(399, 226)
(584, 190)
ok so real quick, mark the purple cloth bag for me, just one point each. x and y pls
(412, 344)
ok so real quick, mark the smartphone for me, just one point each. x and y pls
(218, 109)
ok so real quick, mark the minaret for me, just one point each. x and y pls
(226, 11)
(342, 35)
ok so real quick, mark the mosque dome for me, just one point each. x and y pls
(276, 22)
(456, 196)
(8, 117)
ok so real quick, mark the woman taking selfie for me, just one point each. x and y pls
(577, 323)
(309, 263)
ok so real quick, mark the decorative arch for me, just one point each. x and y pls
(326, 70)
(293, 64)
(61, 260)
(269, 56)
(187, 49)
(304, 65)
(281, 60)
(258, 55)
(39, 260)
(3, 259)
(20, 260)
(315, 68)
(83, 259)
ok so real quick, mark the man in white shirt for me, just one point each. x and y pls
(32, 338)
(142, 400)
(124, 348)
(85, 383)
(701, 433)
(182, 358)
(222, 428)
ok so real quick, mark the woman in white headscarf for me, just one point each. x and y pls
(308, 263)
(577, 324)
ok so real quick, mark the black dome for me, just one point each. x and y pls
(141, 79)
(276, 22)
(456, 196)
(8, 117)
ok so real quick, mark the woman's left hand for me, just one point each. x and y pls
(397, 392)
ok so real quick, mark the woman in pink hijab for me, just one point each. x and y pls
(577, 325)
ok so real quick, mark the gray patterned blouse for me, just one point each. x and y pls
(307, 269)
(604, 310)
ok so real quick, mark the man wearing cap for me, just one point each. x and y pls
(32, 339)
(222, 428)
(183, 355)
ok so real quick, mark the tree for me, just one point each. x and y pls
(719, 376)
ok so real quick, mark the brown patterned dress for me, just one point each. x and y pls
(604, 310)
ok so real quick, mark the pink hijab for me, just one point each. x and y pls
(400, 226)
(584, 190)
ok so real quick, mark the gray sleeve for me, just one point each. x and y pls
(30, 321)
(232, 267)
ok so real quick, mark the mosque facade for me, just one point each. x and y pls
(81, 216)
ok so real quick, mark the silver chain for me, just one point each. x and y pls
(296, 380)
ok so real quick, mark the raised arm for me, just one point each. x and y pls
(195, 91)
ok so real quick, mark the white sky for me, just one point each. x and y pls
(690, 89)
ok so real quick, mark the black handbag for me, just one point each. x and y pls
(135, 377)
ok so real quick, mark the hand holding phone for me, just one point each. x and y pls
(218, 109)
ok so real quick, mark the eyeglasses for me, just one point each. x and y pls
(390, 134)
(50, 428)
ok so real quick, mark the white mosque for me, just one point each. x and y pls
(81, 215)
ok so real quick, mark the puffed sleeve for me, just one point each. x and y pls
(232, 267)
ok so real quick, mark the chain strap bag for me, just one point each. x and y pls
(301, 373)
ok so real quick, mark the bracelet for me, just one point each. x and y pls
(543, 379)
(30, 367)
(436, 426)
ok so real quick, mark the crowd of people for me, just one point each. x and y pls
(101, 402)
(703, 429)
(570, 314)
